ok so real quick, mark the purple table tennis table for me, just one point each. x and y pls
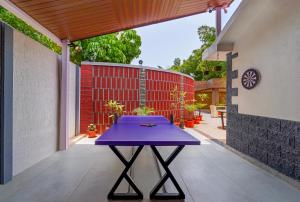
(143, 131)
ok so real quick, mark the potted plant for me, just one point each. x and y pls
(177, 98)
(190, 108)
(200, 106)
(174, 95)
(181, 103)
(116, 110)
(143, 111)
(196, 116)
(92, 131)
(203, 97)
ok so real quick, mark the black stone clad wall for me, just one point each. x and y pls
(275, 142)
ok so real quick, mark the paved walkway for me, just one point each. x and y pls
(207, 173)
(211, 128)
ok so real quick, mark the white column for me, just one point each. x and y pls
(64, 97)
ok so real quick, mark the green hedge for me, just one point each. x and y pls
(23, 27)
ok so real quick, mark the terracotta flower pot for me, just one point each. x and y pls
(196, 120)
(189, 124)
(92, 134)
(177, 123)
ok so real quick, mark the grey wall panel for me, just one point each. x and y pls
(35, 103)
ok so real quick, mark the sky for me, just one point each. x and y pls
(163, 42)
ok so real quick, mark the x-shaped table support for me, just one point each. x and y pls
(165, 164)
(154, 193)
(125, 196)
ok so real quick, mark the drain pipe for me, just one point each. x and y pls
(218, 21)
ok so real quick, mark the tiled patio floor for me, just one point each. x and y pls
(207, 173)
(211, 128)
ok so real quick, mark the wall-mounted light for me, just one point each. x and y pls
(211, 9)
(72, 45)
(76, 47)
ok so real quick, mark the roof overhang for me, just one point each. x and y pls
(78, 19)
(224, 44)
(217, 51)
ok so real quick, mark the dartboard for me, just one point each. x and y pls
(250, 78)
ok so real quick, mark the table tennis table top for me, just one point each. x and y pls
(134, 131)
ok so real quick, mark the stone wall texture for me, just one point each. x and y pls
(275, 142)
(132, 86)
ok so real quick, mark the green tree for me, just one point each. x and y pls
(195, 66)
(120, 47)
(207, 35)
(177, 61)
(176, 64)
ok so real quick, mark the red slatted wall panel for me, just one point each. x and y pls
(102, 83)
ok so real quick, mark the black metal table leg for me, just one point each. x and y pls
(165, 164)
(125, 196)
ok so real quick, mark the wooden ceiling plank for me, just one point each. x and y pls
(58, 6)
(83, 19)
(105, 17)
(85, 25)
(77, 19)
(69, 11)
(162, 10)
(32, 3)
(83, 31)
(90, 34)
(29, 20)
(20, 1)
(194, 4)
(54, 3)
(125, 28)
(121, 14)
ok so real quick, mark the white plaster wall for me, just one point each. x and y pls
(270, 43)
(72, 100)
(35, 102)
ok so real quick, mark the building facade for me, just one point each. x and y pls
(264, 121)
(215, 89)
